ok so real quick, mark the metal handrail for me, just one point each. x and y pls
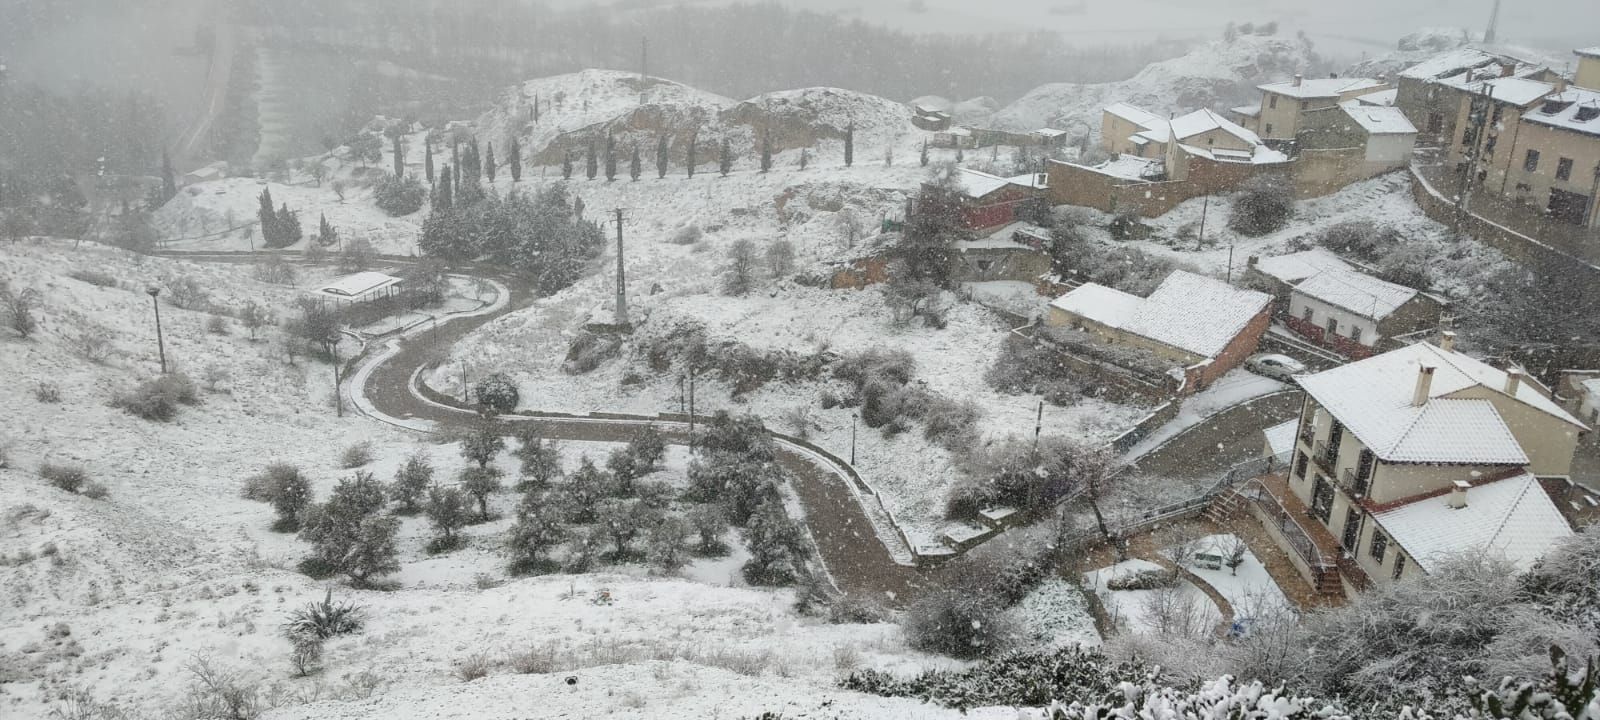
(1297, 536)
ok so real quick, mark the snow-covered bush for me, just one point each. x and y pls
(447, 513)
(187, 293)
(399, 196)
(18, 308)
(1022, 680)
(47, 392)
(1264, 205)
(538, 529)
(356, 455)
(349, 534)
(957, 623)
(410, 486)
(158, 399)
(1564, 580)
(688, 234)
(498, 393)
(289, 492)
(777, 545)
(325, 619)
(588, 351)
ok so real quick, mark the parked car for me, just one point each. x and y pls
(1272, 365)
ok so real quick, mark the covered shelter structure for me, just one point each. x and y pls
(358, 288)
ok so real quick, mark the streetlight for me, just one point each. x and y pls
(161, 345)
(853, 438)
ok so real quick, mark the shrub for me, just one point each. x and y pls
(480, 483)
(305, 655)
(47, 392)
(287, 489)
(474, 667)
(92, 341)
(325, 619)
(541, 460)
(347, 533)
(1023, 680)
(686, 235)
(92, 277)
(710, 523)
(18, 307)
(95, 491)
(1263, 206)
(216, 325)
(497, 392)
(538, 529)
(777, 545)
(399, 196)
(410, 484)
(588, 351)
(356, 455)
(952, 424)
(957, 623)
(188, 294)
(448, 513)
(666, 544)
(158, 399)
(70, 478)
(1150, 579)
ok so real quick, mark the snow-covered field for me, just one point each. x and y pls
(120, 598)
(1249, 589)
(1184, 608)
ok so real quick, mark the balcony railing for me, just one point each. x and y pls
(1325, 457)
(1353, 484)
(1291, 530)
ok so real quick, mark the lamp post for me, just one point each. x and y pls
(853, 438)
(161, 345)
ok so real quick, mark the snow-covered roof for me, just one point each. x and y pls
(1260, 155)
(1246, 110)
(1202, 121)
(1591, 386)
(358, 284)
(1104, 305)
(1372, 398)
(1322, 87)
(1294, 267)
(1132, 167)
(1378, 120)
(1576, 109)
(1514, 90)
(1136, 115)
(1449, 63)
(1382, 98)
(1037, 181)
(932, 103)
(1197, 313)
(977, 184)
(1511, 519)
(1359, 293)
(1593, 52)
(1280, 437)
(1049, 132)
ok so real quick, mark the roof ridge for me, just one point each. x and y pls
(1501, 390)
(1505, 519)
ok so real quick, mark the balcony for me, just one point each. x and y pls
(1324, 561)
(1354, 485)
(1325, 458)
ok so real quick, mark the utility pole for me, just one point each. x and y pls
(1494, 22)
(161, 345)
(464, 397)
(338, 396)
(1205, 207)
(622, 278)
(1480, 109)
(693, 445)
(1230, 263)
(1038, 428)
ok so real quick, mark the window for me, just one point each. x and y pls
(1380, 545)
(1272, 102)
(1564, 169)
(1435, 123)
(1333, 326)
(1300, 464)
(1399, 565)
(1355, 333)
(1531, 162)
(1305, 104)
(1269, 129)
(1309, 315)
(1322, 500)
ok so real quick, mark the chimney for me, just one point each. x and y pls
(1561, 84)
(1513, 381)
(1447, 341)
(1458, 495)
(1333, 76)
(1298, 79)
(1508, 70)
(1424, 386)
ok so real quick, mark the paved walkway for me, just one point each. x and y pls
(1220, 441)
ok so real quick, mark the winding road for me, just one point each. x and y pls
(854, 557)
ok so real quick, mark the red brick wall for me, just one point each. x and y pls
(1243, 345)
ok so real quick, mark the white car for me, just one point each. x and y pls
(1277, 367)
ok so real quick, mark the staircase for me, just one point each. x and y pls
(1225, 507)
(1328, 583)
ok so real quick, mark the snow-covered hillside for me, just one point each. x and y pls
(120, 599)
(1214, 75)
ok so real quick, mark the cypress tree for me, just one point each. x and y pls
(566, 166)
(169, 181)
(288, 224)
(611, 158)
(634, 168)
(661, 157)
(766, 151)
(516, 160)
(473, 160)
(536, 108)
(725, 164)
(427, 163)
(268, 217)
(592, 164)
(850, 144)
(693, 140)
(443, 197)
(488, 162)
(399, 158)
(924, 152)
(805, 157)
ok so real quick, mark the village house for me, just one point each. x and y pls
(1015, 253)
(1355, 314)
(1204, 326)
(1284, 105)
(1278, 274)
(990, 201)
(1430, 92)
(1407, 457)
(1534, 143)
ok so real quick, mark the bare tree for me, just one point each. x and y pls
(739, 277)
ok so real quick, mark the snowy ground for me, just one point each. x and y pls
(1137, 611)
(1250, 589)
(120, 597)
(1056, 614)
